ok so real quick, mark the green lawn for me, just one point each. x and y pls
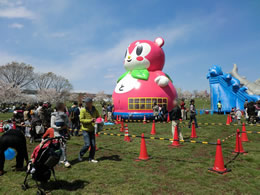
(170, 171)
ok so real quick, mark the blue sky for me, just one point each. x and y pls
(85, 41)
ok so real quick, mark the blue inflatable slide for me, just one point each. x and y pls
(227, 89)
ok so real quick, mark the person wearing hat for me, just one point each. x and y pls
(88, 116)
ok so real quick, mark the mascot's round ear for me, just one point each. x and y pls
(159, 41)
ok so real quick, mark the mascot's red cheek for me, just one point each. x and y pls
(139, 58)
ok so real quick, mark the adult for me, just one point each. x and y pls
(13, 139)
(193, 113)
(155, 111)
(175, 116)
(183, 112)
(74, 118)
(60, 124)
(219, 105)
(88, 116)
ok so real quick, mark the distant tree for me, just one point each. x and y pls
(51, 81)
(51, 95)
(101, 96)
(18, 74)
(10, 93)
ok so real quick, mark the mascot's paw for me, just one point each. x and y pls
(162, 81)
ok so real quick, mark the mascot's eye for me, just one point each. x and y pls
(125, 53)
(139, 50)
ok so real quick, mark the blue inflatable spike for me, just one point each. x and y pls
(211, 112)
(224, 112)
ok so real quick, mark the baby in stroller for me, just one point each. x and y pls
(43, 160)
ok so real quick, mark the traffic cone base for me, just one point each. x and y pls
(219, 166)
(143, 151)
(219, 172)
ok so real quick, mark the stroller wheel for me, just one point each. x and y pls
(40, 192)
(25, 187)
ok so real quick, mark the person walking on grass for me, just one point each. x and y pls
(193, 114)
(175, 116)
(88, 116)
(74, 118)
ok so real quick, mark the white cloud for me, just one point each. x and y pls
(17, 12)
(16, 25)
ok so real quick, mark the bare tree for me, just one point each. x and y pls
(51, 95)
(9, 93)
(51, 81)
(61, 84)
(17, 74)
(43, 80)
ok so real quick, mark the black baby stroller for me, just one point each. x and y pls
(47, 156)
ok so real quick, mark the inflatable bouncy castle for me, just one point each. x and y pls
(143, 83)
(231, 89)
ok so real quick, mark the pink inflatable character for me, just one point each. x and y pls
(143, 83)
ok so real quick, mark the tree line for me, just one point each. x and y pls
(16, 77)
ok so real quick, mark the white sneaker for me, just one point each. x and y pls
(67, 164)
(93, 161)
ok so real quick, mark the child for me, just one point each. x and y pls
(238, 116)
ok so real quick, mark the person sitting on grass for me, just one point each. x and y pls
(60, 124)
(13, 139)
(88, 116)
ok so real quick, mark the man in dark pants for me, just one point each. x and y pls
(193, 114)
(13, 139)
(88, 116)
(74, 118)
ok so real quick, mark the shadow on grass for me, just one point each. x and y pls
(65, 185)
(112, 157)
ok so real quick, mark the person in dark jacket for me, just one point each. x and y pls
(74, 118)
(193, 114)
(175, 116)
(13, 139)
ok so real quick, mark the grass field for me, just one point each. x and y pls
(170, 171)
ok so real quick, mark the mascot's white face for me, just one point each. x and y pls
(135, 57)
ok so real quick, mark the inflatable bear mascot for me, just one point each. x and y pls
(143, 84)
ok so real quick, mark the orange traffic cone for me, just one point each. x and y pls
(168, 119)
(228, 120)
(106, 119)
(144, 121)
(116, 119)
(14, 125)
(176, 142)
(153, 131)
(219, 161)
(1, 127)
(239, 147)
(127, 138)
(193, 131)
(122, 126)
(143, 151)
(244, 134)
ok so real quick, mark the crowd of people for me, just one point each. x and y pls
(42, 121)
